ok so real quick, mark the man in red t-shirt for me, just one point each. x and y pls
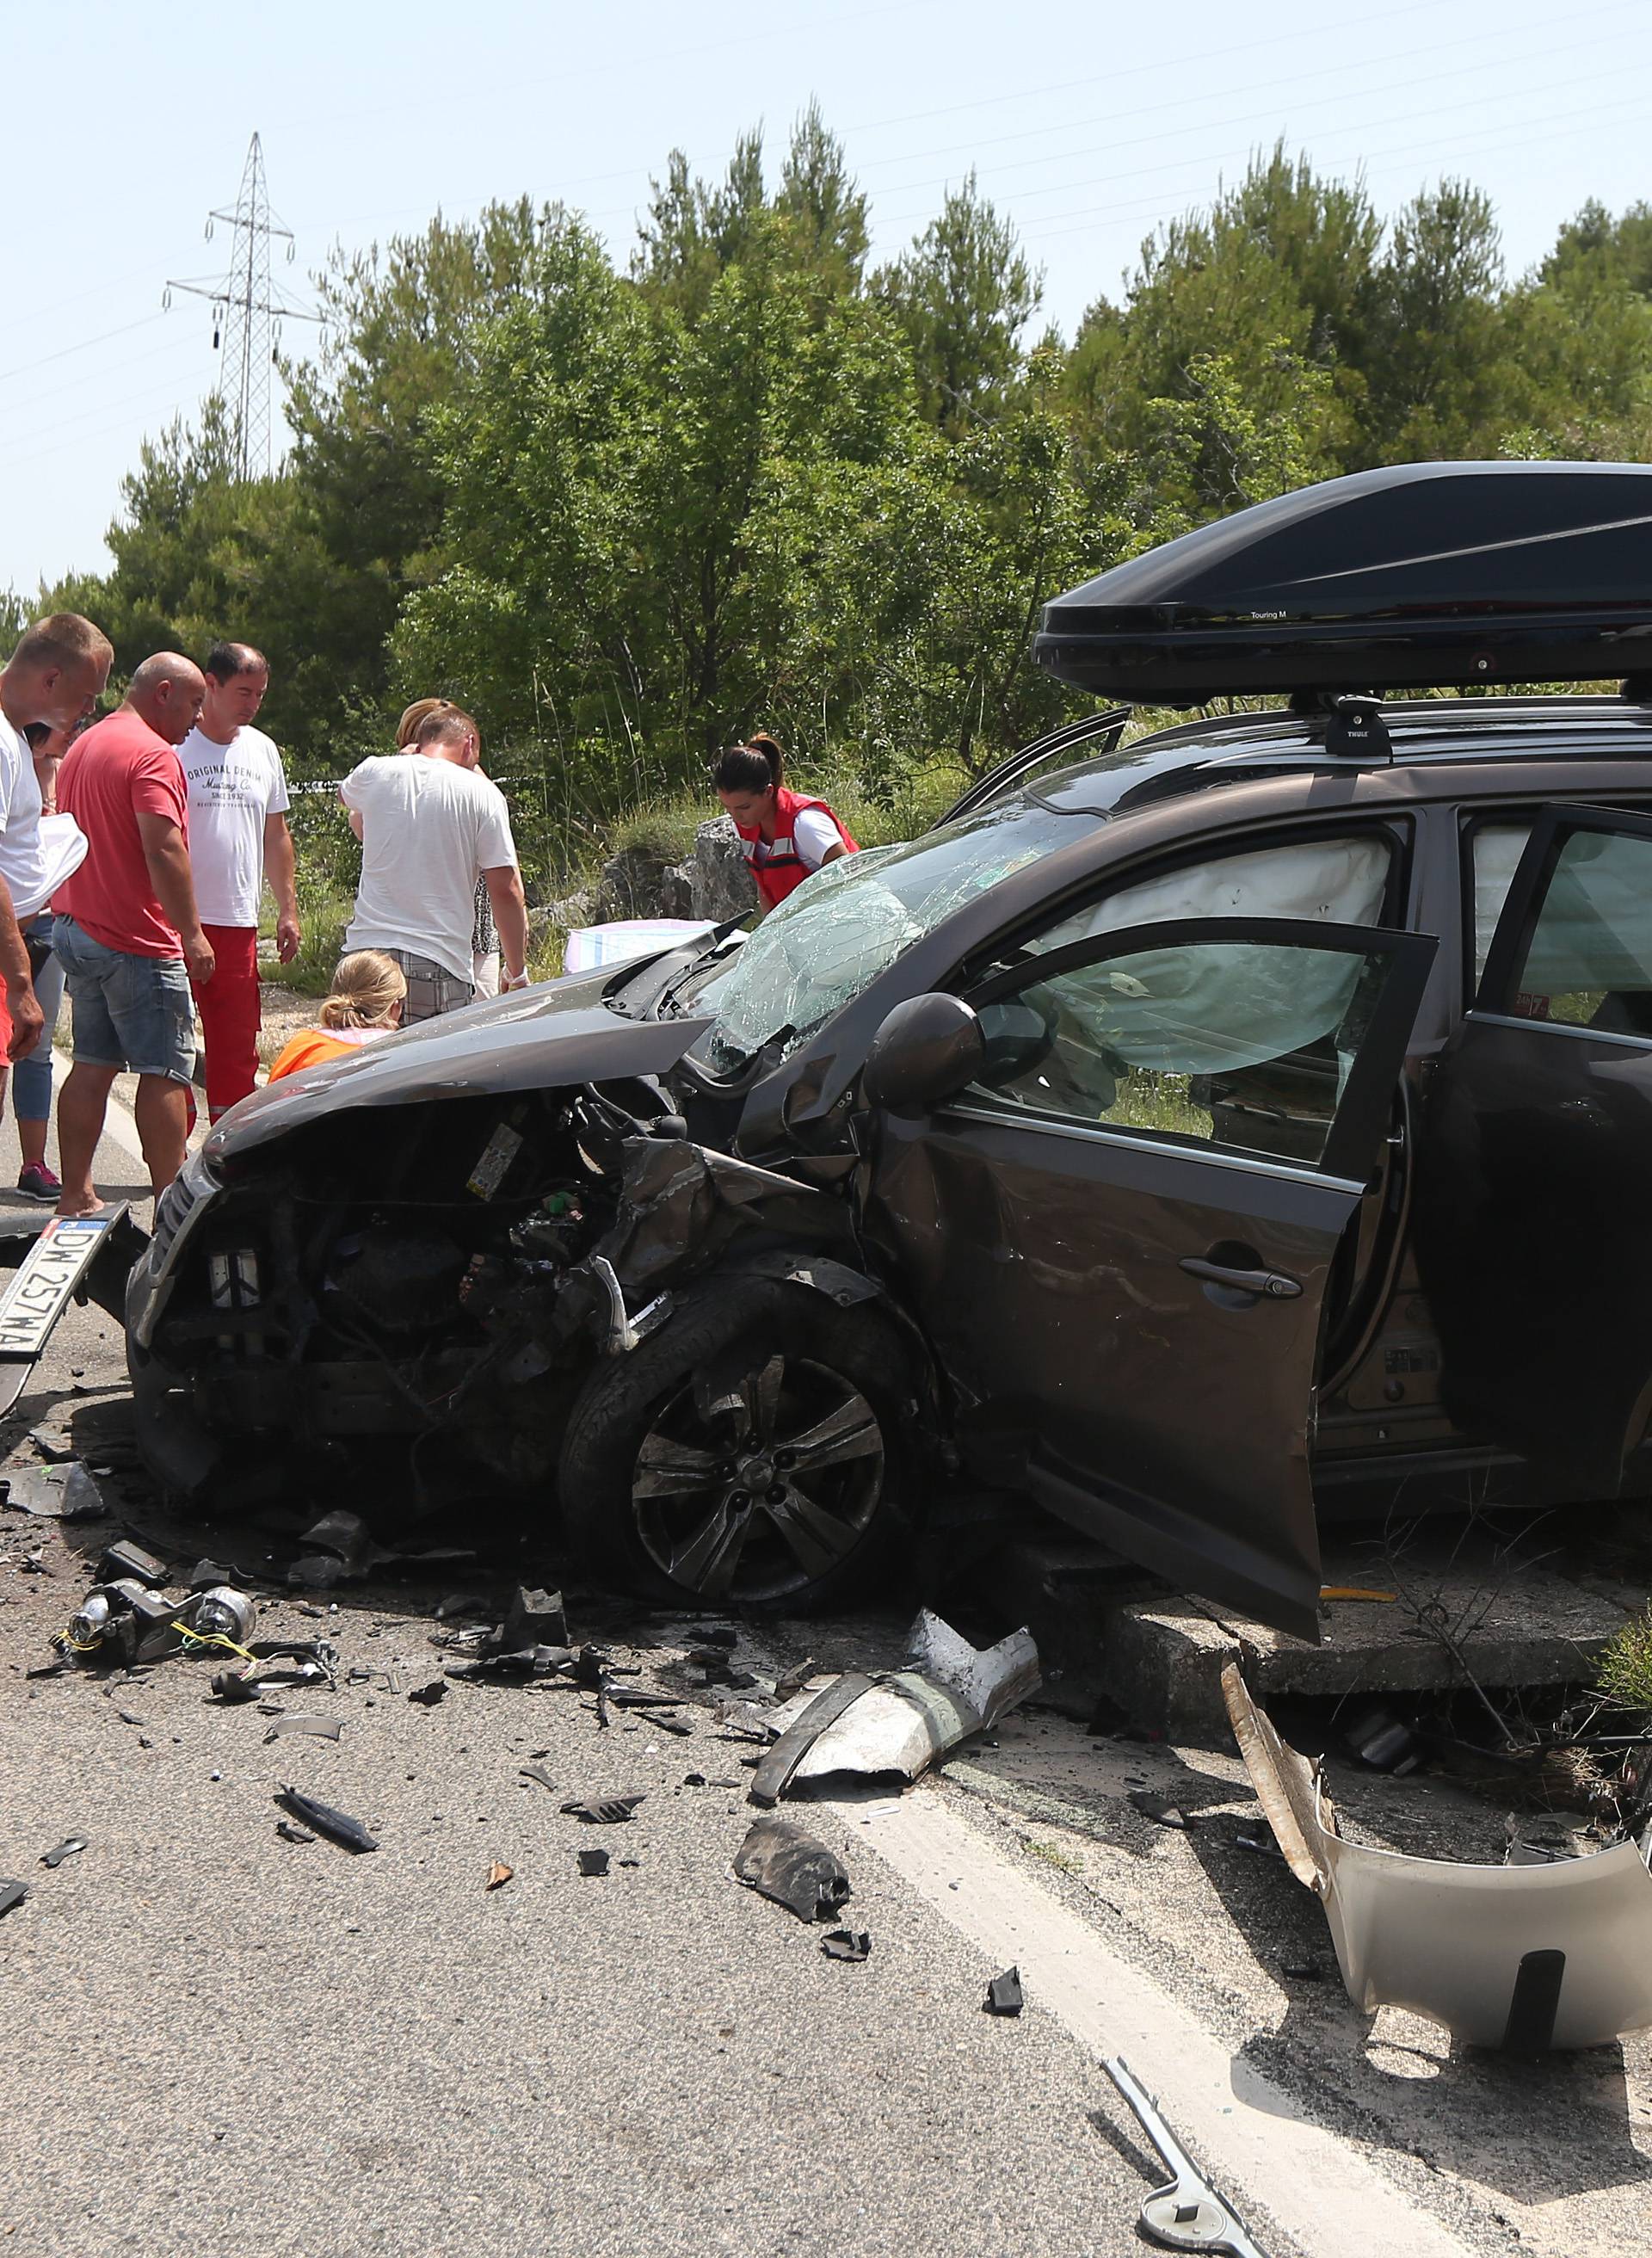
(127, 930)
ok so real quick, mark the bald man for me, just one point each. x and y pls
(127, 930)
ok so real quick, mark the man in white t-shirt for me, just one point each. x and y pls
(238, 838)
(429, 828)
(56, 674)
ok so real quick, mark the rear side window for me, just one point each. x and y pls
(1498, 847)
(1588, 962)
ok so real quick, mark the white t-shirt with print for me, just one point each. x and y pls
(232, 788)
(428, 830)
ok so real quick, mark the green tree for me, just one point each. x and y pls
(964, 294)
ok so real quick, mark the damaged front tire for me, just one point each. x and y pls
(754, 1453)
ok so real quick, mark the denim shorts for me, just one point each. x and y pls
(127, 1012)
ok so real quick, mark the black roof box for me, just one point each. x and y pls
(1427, 575)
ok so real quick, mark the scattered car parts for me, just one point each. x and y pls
(1004, 1995)
(898, 1721)
(847, 1944)
(1521, 1957)
(1186, 2213)
(337, 1826)
(67, 1849)
(793, 1867)
(603, 1811)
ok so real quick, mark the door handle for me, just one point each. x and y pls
(1271, 1285)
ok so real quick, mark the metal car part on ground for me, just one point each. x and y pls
(1522, 1958)
(899, 1720)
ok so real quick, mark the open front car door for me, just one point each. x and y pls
(1120, 1236)
(1535, 1178)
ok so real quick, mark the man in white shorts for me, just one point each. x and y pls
(238, 838)
(429, 828)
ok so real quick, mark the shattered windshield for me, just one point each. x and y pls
(849, 922)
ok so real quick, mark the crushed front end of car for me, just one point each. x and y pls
(389, 1279)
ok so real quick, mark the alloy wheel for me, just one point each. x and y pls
(761, 1489)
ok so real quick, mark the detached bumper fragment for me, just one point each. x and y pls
(898, 1722)
(1525, 1959)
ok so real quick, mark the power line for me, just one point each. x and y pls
(247, 313)
(44, 361)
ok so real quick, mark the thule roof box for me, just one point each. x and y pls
(1430, 575)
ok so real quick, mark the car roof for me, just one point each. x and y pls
(1461, 733)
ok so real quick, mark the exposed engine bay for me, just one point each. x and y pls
(424, 1288)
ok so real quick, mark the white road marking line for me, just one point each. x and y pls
(1248, 2135)
(119, 1125)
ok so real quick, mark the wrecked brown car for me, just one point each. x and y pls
(1223, 1129)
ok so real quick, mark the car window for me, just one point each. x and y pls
(1245, 1045)
(1331, 881)
(1588, 960)
(850, 921)
(1497, 848)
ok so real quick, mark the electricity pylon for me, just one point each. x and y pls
(247, 313)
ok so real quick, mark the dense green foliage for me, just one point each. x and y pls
(628, 515)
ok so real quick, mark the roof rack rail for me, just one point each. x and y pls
(1422, 576)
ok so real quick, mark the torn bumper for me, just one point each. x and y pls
(1523, 1957)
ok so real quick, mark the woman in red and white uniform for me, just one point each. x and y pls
(786, 837)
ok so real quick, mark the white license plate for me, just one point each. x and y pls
(36, 1298)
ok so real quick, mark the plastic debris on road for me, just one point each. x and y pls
(793, 1867)
(897, 1722)
(337, 1826)
(1004, 1995)
(603, 1811)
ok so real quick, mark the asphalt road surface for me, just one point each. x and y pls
(217, 2039)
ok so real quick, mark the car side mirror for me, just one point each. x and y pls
(928, 1049)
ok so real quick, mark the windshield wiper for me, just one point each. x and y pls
(665, 1002)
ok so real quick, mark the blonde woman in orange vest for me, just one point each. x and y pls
(368, 992)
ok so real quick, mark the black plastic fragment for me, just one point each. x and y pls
(337, 1826)
(593, 1862)
(1535, 2004)
(1159, 1809)
(534, 1618)
(65, 1849)
(603, 1811)
(125, 1558)
(427, 1696)
(461, 1603)
(680, 1726)
(794, 1868)
(524, 1662)
(537, 1772)
(288, 1833)
(12, 1893)
(206, 1573)
(847, 1944)
(589, 1668)
(720, 1635)
(1004, 1995)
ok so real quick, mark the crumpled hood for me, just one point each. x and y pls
(545, 1038)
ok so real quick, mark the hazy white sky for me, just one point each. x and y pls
(1089, 123)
